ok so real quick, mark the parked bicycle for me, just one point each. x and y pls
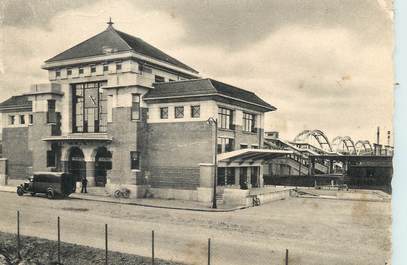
(122, 193)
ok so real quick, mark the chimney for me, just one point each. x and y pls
(378, 135)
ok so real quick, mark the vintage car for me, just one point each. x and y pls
(50, 183)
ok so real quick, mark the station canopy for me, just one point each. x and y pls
(249, 157)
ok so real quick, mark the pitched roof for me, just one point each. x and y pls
(16, 102)
(119, 42)
(204, 87)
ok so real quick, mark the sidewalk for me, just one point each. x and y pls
(98, 194)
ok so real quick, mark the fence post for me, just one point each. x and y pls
(152, 247)
(59, 241)
(286, 257)
(209, 251)
(18, 235)
(106, 244)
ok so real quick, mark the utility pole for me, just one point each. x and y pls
(214, 122)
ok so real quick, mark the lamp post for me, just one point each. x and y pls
(214, 122)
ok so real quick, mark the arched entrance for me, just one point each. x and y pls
(103, 162)
(76, 163)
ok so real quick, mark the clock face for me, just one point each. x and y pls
(91, 98)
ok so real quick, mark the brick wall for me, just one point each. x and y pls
(15, 149)
(175, 151)
(127, 136)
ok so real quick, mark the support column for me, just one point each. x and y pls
(90, 173)
(237, 177)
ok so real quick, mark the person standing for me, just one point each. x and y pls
(84, 185)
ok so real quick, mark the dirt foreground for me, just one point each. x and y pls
(36, 251)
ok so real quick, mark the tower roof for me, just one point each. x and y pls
(116, 41)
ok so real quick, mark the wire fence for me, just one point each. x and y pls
(209, 259)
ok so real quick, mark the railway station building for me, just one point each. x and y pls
(119, 111)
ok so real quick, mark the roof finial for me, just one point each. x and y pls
(110, 23)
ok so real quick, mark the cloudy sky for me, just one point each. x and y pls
(324, 64)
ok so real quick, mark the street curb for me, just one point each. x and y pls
(162, 207)
(2, 189)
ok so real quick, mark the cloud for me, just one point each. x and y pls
(240, 23)
(323, 64)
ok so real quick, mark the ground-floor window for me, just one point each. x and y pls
(254, 177)
(226, 176)
(134, 160)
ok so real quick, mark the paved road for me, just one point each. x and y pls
(315, 231)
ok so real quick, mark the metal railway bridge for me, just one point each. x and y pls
(359, 163)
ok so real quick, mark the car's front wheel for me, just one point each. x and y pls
(20, 191)
(32, 193)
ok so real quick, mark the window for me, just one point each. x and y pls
(135, 106)
(80, 70)
(159, 79)
(22, 119)
(11, 119)
(225, 145)
(249, 122)
(69, 71)
(57, 73)
(51, 118)
(50, 158)
(118, 66)
(89, 107)
(179, 112)
(143, 68)
(226, 176)
(105, 68)
(171, 80)
(243, 146)
(255, 176)
(134, 160)
(225, 118)
(30, 119)
(164, 113)
(255, 146)
(93, 68)
(52, 155)
(195, 111)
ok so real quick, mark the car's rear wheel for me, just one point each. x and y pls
(32, 193)
(50, 194)
(20, 191)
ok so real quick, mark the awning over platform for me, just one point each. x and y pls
(250, 157)
(103, 137)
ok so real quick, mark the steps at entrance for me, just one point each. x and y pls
(219, 198)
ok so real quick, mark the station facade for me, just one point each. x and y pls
(119, 111)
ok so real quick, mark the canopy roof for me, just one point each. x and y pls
(250, 156)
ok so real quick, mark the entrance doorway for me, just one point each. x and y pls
(76, 163)
(103, 162)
